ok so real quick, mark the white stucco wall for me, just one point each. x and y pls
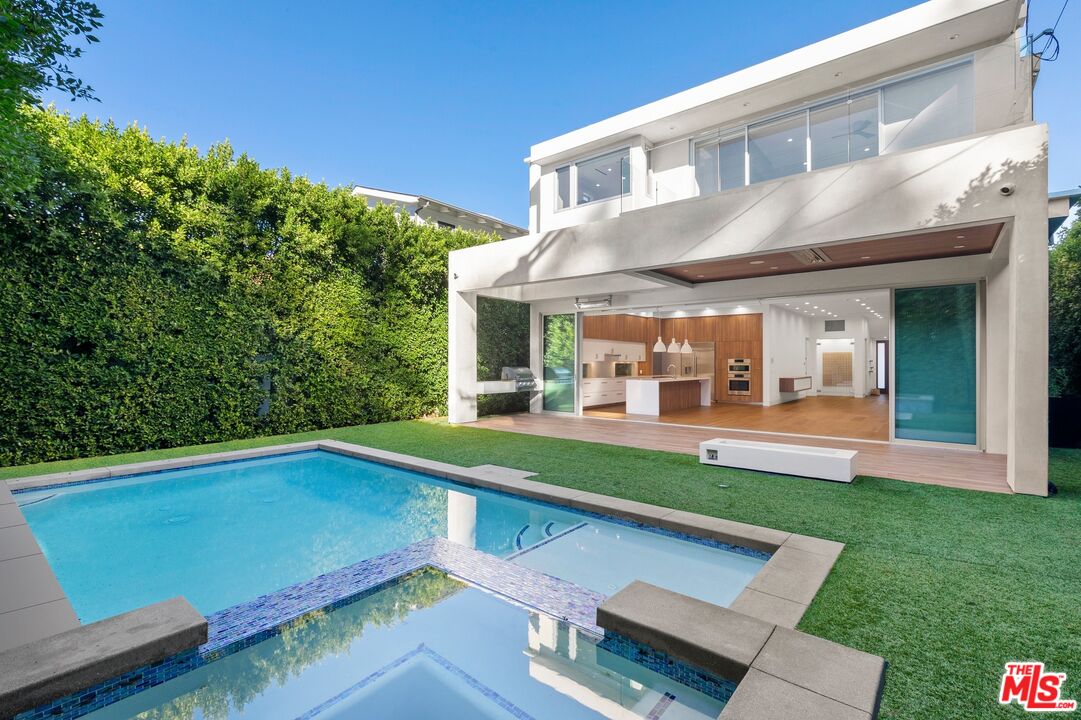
(1001, 97)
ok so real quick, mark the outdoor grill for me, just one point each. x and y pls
(523, 377)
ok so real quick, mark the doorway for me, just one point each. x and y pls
(835, 367)
(882, 366)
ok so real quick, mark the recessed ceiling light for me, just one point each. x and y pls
(857, 300)
(815, 307)
(960, 237)
(865, 257)
(787, 304)
(806, 303)
(772, 267)
(758, 262)
(700, 276)
(958, 247)
(789, 139)
(954, 36)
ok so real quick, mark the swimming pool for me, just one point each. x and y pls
(223, 534)
(428, 646)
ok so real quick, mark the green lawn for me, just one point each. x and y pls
(946, 584)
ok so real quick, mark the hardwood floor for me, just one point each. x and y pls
(967, 469)
(845, 417)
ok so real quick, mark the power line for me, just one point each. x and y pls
(1049, 51)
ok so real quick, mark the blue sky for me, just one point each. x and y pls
(444, 99)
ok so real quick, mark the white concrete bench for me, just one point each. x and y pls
(801, 460)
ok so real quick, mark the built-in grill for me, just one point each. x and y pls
(523, 377)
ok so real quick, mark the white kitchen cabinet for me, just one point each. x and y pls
(603, 391)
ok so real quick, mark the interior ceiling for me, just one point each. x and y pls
(873, 304)
(905, 248)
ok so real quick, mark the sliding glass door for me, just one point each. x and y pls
(559, 362)
(934, 382)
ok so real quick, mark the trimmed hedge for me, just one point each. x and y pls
(153, 297)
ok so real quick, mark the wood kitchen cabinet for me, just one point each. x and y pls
(735, 336)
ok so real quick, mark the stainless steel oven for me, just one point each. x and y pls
(739, 376)
(625, 368)
(739, 383)
(739, 365)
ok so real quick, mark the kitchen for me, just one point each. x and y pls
(653, 365)
(806, 365)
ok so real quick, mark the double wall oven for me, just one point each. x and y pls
(739, 376)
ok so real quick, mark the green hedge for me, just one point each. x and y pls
(502, 341)
(151, 296)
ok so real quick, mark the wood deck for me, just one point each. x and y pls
(966, 469)
(864, 418)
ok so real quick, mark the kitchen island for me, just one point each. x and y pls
(653, 395)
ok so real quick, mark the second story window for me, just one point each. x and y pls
(899, 115)
(598, 178)
(719, 164)
(844, 131)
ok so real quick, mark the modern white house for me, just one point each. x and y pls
(848, 240)
(436, 212)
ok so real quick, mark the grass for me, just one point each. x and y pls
(947, 585)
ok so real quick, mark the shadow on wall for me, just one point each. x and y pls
(1009, 173)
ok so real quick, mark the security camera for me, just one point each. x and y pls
(1007, 189)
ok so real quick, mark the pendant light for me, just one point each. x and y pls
(686, 347)
(673, 347)
(659, 345)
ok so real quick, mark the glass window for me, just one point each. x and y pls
(603, 177)
(719, 165)
(733, 170)
(707, 163)
(563, 182)
(559, 362)
(778, 148)
(928, 108)
(935, 364)
(844, 131)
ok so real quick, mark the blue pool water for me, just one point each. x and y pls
(223, 534)
(428, 647)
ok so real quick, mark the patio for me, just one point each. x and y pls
(965, 469)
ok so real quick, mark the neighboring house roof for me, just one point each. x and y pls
(435, 208)
(1059, 207)
(908, 38)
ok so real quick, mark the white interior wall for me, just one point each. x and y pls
(856, 332)
(786, 335)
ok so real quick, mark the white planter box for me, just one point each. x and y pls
(801, 460)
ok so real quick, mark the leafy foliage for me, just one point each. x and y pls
(155, 297)
(34, 50)
(1065, 314)
(502, 341)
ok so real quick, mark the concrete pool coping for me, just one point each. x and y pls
(779, 594)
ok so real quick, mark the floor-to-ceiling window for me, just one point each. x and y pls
(934, 379)
(559, 362)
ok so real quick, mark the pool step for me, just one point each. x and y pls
(35, 501)
(531, 533)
